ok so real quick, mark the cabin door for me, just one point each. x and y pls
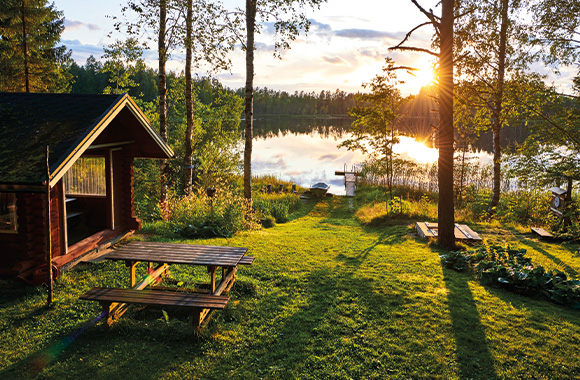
(85, 189)
(114, 188)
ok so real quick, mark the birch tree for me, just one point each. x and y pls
(493, 43)
(289, 19)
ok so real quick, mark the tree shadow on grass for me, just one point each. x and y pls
(537, 247)
(305, 208)
(389, 237)
(318, 329)
(473, 355)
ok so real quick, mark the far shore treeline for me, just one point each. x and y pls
(94, 78)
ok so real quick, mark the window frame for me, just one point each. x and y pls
(14, 229)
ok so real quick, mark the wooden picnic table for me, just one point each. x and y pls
(166, 254)
(189, 254)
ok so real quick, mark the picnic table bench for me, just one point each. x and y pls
(115, 301)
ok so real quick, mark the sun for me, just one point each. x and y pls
(422, 76)
(416, 150)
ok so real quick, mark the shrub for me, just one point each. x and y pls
(397, 208)
(512, 270)
(197, 215)
(268, 221)
(278, 206)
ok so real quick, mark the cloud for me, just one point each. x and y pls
(367, 34)
(72, 25)
(231, 76)
(80, 51)
(260, 46)
(372, 53)
(334, 60)
(266, 166)
(328, 157)
(320, 29)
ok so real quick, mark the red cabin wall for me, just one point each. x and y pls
(21, 254)
(125, 192)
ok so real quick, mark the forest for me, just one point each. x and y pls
(336, 287)
(529, 125)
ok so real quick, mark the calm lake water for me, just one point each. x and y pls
(304, 151)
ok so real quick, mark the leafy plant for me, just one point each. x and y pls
(268, 221)
(511, 269)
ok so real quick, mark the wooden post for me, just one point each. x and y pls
(211, 269)
(567, 204)
(48, 232)
(116, 309)
(133, 264)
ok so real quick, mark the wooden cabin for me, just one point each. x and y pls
(93, 140)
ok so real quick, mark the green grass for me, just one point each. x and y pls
(326, 298)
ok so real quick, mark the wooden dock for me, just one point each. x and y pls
(462, 232)
(350, 179)
(542, 232)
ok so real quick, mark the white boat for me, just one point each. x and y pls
(319, 190)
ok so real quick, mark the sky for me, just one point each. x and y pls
(346, 46)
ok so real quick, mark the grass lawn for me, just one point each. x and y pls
(326, 298)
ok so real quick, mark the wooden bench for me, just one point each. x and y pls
(109, 298)
(246, 260)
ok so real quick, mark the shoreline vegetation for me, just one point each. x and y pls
(335, 292)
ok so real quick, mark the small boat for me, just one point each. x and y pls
(319, 190)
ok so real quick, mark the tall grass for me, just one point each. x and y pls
(522, 207)
(197, 215)
(278, 206)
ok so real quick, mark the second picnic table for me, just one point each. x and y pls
(165, 254)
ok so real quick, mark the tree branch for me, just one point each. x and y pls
(434, 19)
(411, 48)
(411, 32)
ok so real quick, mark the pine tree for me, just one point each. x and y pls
(31, 59)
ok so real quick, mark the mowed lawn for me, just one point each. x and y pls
(326, 298)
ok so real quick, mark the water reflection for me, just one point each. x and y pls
(304, 159)
(304, 151)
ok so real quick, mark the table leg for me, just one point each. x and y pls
(212, 269)
(133, 265)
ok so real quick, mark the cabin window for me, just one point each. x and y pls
(86, 177)
(8, 212)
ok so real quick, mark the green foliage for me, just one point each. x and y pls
(216, 139)
(371, 209)
(34, 56)
(525, 207)
(326, 298)
(89, 78)
(123, 61)
(281, 103)
(511, 269)
(268, 221)
(199, 216)
(374, 113)
(278, 206)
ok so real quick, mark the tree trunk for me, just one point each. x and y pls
(188, 98)
(249, 100)
(162, 93)
(25, 48)
(497, 109)
(446, 235)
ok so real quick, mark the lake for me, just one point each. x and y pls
(304, 151)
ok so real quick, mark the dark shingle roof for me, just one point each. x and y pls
(30, 122)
